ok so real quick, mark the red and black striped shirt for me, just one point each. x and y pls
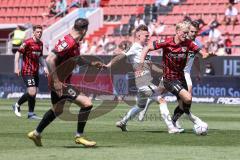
(65, 49)
(31, 51)
(175, 57)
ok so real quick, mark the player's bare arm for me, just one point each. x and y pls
(16, 60)
(44, 64)
(57, 84)
(82, 61)
(145, 51)
(115, 60)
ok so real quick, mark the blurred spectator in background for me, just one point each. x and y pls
(175, 1)
(110, 48)
(214, 40)
(228, 44)
(186, 17)
(93, 48)
(209, 70)
(17, 38)
(201, 21)
(160, 28)
(84, 46)
(138, 21)
(61, 8)
(100, 51)
(214, 23)
(76, 3)
(52, 8)
(152, 27)
(103, 41)
(231, 15)
(162, 2)
(94, 3)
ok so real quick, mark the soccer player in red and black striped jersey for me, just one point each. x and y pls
(31, 51)
(66, 49)
(175, 55)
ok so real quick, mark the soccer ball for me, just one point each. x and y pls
(201, 129)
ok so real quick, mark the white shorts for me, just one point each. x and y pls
(152, 92)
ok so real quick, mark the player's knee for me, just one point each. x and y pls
(57, 110)
(87, 103)
(188, 99)
(32, 93)
(162, 100)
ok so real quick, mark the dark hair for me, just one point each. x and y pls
(37, 27)
(80, 24)
(195, 24)
(141, 28)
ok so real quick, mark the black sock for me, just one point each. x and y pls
(186, 108)
(82, 118)
(23, 99)
(178, 112)
(31, 103)
(48, 117)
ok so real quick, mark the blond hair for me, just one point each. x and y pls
(183, 25)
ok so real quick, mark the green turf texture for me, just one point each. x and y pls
(146, 140)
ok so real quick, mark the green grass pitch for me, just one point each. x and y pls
(145, 140)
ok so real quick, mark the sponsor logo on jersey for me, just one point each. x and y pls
(184, 49)
(174, 55)
(36, 53)
(62, 46)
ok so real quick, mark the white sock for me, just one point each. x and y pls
(166, 115)
(194, 118)
(36, 133)
(30, 113)
(131, 114)
(78, 134)
(17, 105)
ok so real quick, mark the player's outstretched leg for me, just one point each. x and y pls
(82, 120)
(35, 135)
(143, 112)
(167, 117)
(122, 124)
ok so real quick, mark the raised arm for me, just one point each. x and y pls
(83, 61)
(148, 48)
(115, 60)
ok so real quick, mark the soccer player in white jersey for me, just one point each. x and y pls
(147, 91)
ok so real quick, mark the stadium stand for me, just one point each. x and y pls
(120, 15)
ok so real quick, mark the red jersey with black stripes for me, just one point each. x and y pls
(65, 49)
(175, 57)
(31, 51)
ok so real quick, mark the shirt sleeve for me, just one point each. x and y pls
(159, 44)
(61, 48)
(23, 47)
(194, 47)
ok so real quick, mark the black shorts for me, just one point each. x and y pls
(31, 81)
(175, 86)
(69, 94)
